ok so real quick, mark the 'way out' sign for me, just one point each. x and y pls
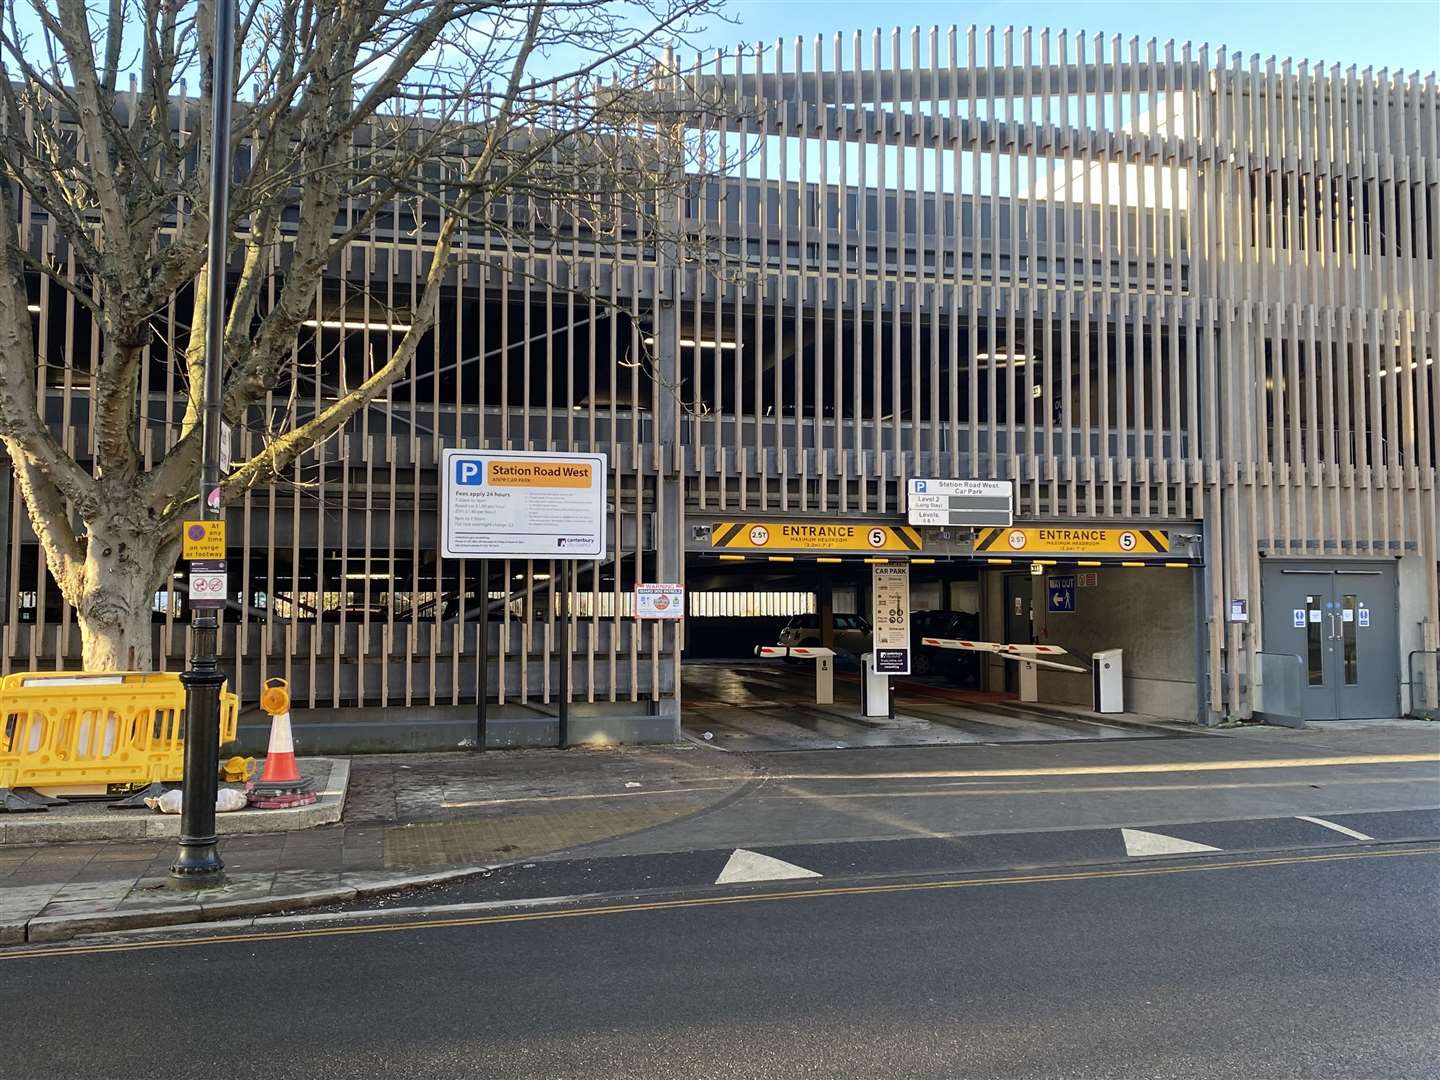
(514, 504)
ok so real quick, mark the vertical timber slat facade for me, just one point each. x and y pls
(1146, 282)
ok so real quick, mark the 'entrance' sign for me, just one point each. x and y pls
(1072, 540)
(801, 536)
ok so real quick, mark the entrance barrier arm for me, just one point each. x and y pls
(1027, 654)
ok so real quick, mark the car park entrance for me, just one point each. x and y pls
(753, 584)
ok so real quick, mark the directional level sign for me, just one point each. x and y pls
(972, 503)
(813, 536)
(1072, 540)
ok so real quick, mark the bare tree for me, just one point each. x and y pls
(442, 116)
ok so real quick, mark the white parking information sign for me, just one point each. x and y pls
(890, 589)
(963, 503)
(513, 504)
(656, 600)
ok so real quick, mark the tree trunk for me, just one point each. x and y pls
(121, 575)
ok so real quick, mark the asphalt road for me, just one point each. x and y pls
(1303, 964)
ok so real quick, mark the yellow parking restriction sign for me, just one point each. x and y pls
(203, 540)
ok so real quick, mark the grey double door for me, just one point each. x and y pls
(1340, 619)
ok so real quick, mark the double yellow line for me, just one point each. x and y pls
(718, 901)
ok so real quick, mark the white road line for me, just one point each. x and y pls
(1331, 825)
(752, 866)
(1138, 842)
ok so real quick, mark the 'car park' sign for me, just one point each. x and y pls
(512, 504)
(972, 503)
(890, 621)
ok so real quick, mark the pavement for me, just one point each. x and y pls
(96, 820)
(410, 821)
(453, 823)
(1316, 963)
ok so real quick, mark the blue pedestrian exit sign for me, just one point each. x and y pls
(1060, 593)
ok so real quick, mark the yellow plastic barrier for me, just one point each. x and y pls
(83, 732)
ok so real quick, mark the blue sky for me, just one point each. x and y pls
(1398, 34)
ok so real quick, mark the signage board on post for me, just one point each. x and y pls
(208, 584)
(514, 504)
(657, 600)
(890, 617)
(975, 503)
(226, 460)
(203, 540)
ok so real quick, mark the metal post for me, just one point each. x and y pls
(197, 860)
(482, 682)
(563, 653)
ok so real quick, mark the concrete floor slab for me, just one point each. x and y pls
(765, 706)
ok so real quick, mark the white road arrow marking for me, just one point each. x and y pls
(1139, 842)
(752, 866)
(1332, 825)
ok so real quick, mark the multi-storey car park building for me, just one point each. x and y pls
(1164, 289)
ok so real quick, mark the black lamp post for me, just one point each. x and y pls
(198, 858)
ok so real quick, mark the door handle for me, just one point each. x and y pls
(1334, 634)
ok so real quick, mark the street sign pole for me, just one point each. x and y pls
(563, 716)
(482, 681)
(531, 505)
(197, 860)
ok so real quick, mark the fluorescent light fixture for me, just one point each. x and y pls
(1000, 359)
(355, 324)
(1398, 368)
(367, 577)
(34, 309)
(704, 343)
(540, 577)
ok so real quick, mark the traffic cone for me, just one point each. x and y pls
(281, 784)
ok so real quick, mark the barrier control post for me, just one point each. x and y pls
(824, 666)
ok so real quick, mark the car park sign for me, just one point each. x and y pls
(962, 503)
(890, 622)
(512, 504)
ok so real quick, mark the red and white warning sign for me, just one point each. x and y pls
(659, 600)
(208, 584)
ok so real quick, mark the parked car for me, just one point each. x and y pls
(961, 668)
(852, 633)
